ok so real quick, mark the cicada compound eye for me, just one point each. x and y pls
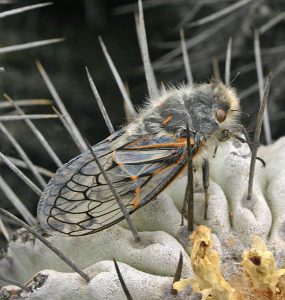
(221, 115)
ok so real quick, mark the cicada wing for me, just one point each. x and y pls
(78, 200)
(73, 176)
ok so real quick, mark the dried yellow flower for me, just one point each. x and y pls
(206, 266)
(260, 265)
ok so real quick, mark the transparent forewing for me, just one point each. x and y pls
(78, 200)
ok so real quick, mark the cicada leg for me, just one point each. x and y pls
(205, 171)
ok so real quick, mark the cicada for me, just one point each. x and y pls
(141, 159)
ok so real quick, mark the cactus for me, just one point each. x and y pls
(146, 269)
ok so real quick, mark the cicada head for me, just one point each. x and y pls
(227, 107)
(213, 109)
